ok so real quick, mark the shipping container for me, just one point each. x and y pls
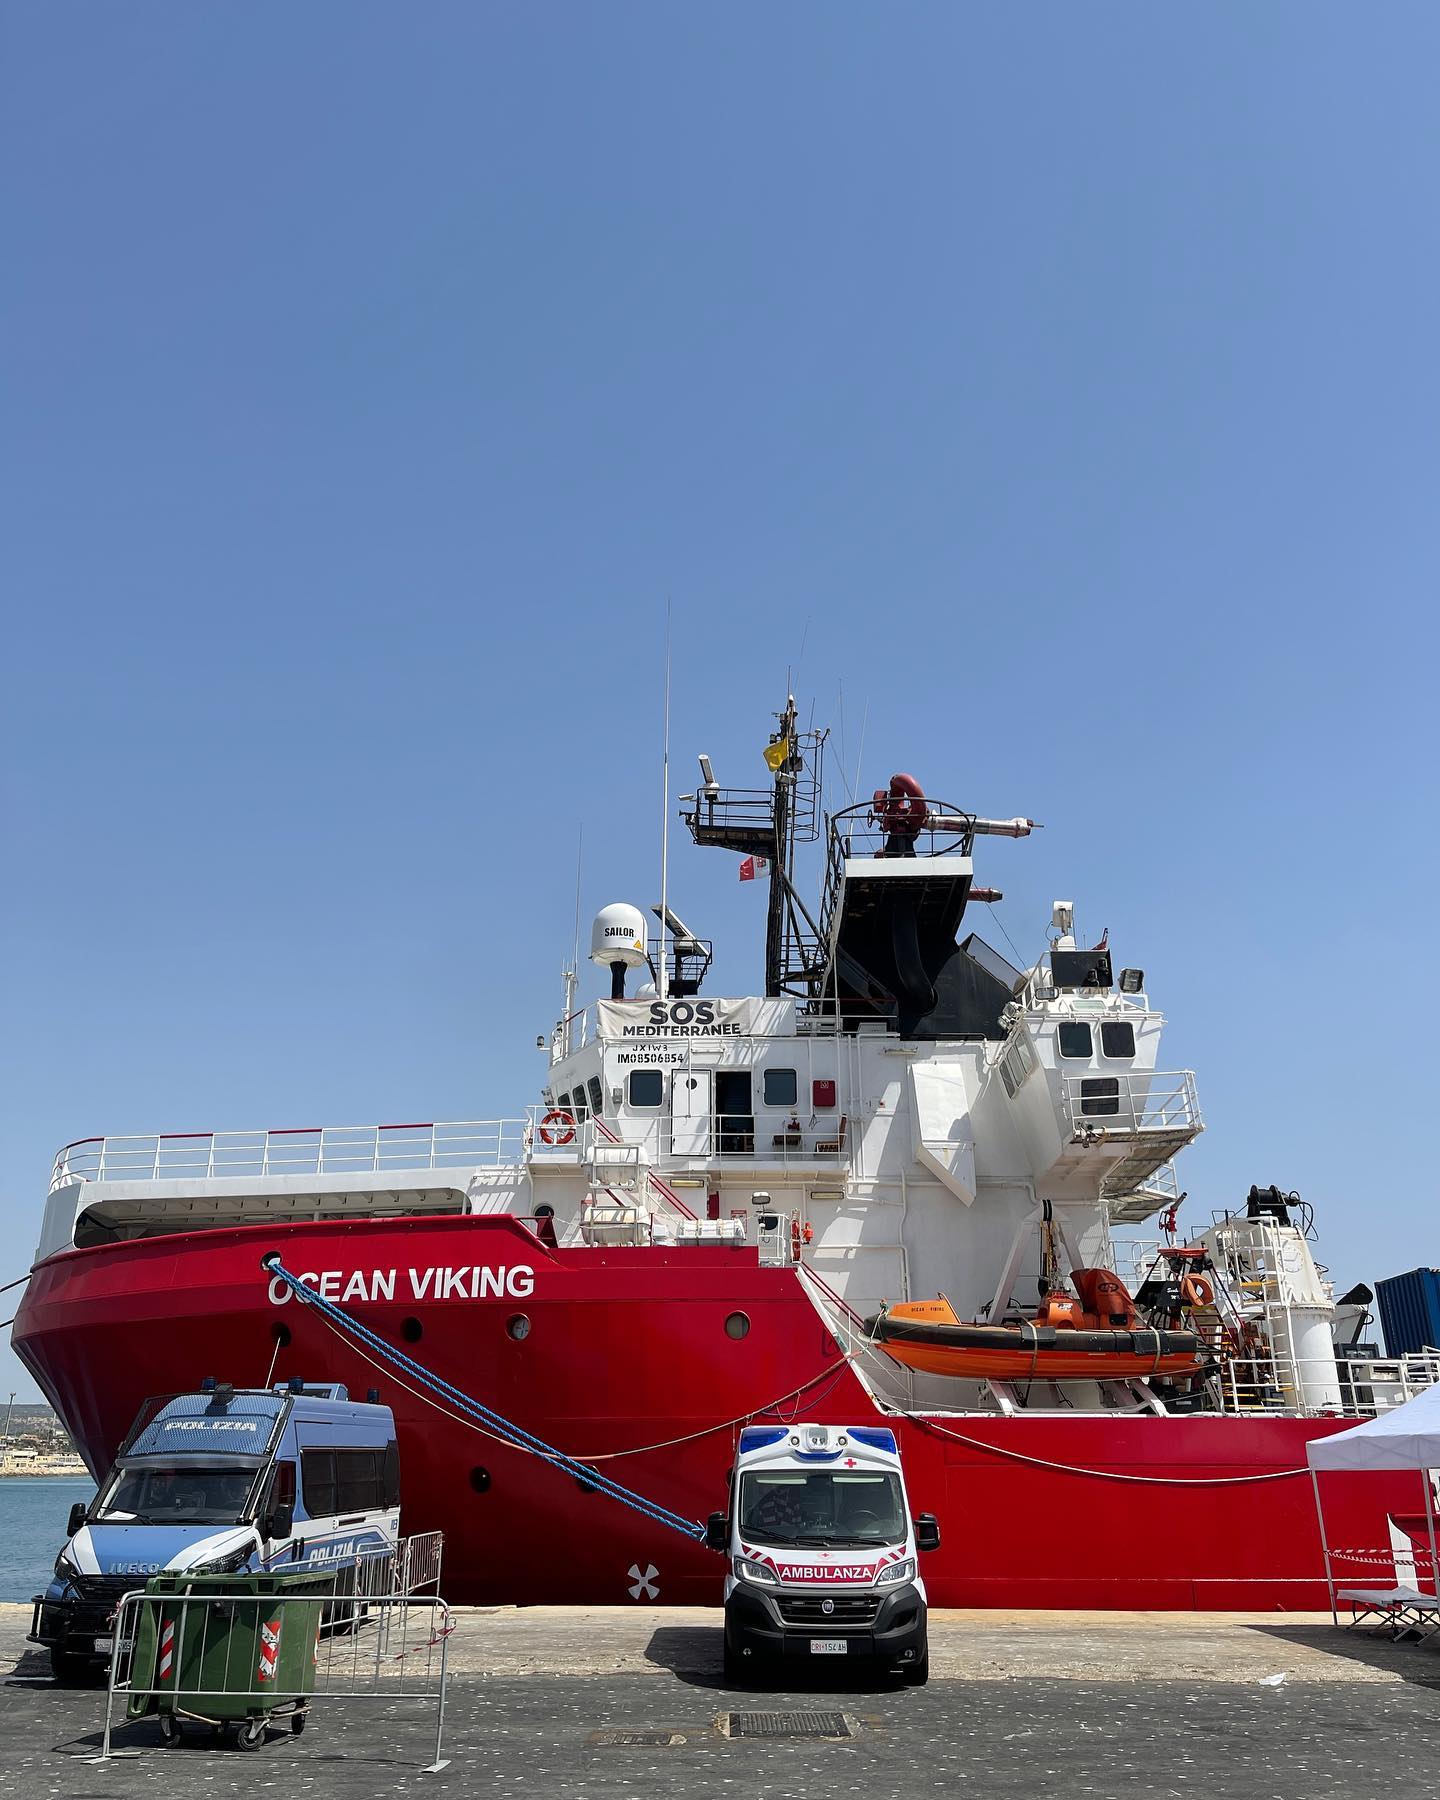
(1410, 1310)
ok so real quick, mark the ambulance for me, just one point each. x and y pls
(823, 1553)
(222, 1481)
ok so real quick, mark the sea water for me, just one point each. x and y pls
(33, 1511)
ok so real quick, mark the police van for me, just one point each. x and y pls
(823, 1554)
(222, 1481)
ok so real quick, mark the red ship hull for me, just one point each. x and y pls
(628, 1351)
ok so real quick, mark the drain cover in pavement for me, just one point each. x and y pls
(661, 1738)
(790, 1724)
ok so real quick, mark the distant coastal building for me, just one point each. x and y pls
(35, 1443)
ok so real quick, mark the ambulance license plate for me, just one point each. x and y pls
(827, 1646)
(106, 1645)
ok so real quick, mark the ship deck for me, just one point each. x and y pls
(1129, 1702)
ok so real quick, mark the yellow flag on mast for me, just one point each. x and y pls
(777, 754)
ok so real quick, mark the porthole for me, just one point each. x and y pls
(737, 1325)
(281, 1333)
(480, 1480)
(518, 1326)
(412, 1331)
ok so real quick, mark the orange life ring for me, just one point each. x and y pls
(557, 1117)
(1195, 1290)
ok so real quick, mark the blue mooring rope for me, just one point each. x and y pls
(505, 1428)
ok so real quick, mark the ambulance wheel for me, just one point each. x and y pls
(916, 1674)
(250, 1735)
(737, 1670)
(71, 1670)
(169, 1730)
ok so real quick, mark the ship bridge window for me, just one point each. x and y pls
(645, 1087)
(597, 1094)
(577, 1104)
(781, 1088)
(1076, 1040)
(1017, 1065)
(1100, 1096)
(1117, 1037)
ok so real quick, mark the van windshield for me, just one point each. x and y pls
(822, 1506)
(175, 1494)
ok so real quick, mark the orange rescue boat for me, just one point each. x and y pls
(1098, 1337)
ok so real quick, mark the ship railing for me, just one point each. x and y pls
(1041, 997)
(1131, 1102)
(856, 831)
(746, 1138)
(677, 1146)
(1161, 1185)
(293, 1150)
(1273, 1381)
(948, 830)
(777, 1237)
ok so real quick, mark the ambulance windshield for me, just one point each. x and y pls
(840, 1507)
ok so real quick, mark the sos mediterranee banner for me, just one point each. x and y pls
(637, 1021)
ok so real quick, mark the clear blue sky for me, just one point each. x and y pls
(1062, 378)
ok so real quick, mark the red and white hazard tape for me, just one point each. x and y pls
(1416, 1554)
(269, 1650)
(167, 1648)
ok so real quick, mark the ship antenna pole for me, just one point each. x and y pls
(662, 981)
(572, 973)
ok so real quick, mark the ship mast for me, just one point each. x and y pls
(771, 823)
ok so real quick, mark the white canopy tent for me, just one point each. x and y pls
(1406, 1437)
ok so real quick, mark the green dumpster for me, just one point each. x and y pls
(227, 1649)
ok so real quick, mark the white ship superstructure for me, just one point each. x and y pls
(902, 1113)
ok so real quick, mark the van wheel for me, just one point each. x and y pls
(736, 1669)
(71, 1670)
(918, 1673)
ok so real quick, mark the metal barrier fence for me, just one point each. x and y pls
(240, 1662)
(410, 1566)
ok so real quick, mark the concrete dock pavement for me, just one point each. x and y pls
(964, 1646)
(626, 1704)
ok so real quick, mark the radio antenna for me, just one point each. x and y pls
(579, 866)
(571, 976)
(860, 753)
(661, 977)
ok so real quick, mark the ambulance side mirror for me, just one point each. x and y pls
(927, 1532)
(76, 1519)
(281, 1522)
(717, 1532)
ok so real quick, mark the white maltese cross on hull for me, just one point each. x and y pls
(643, 1581)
